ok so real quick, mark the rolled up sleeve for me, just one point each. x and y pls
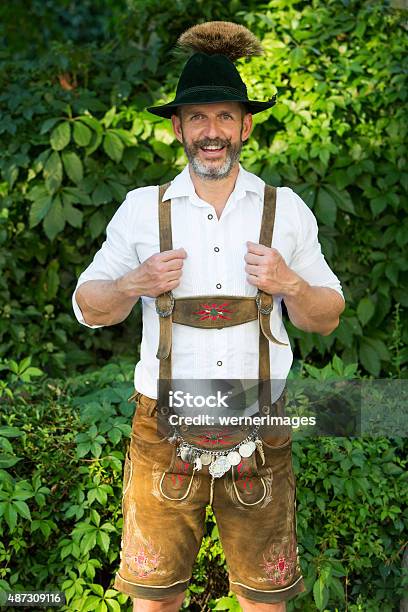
(116, 257)
(308, 260)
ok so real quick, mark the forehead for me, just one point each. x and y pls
(213, 108)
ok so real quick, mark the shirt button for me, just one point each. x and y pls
(219, 363)
(216, 249)
(210, 216)
(218, 285)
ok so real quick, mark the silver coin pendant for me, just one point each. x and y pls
(246, 450)
(234, 458)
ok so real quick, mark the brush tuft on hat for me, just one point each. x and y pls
(221, 37)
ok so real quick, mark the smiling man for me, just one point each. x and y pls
(211, 255)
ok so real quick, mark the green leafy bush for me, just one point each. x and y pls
(62, 448)
(76, 138)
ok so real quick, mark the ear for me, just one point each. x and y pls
(176, 122)
(246, 126)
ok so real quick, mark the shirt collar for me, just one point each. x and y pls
(182, 185)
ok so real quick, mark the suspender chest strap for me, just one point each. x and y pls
(216, 311)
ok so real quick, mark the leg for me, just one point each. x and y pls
(254, 505)
(171, 604)
(163, 508)
(248, 605)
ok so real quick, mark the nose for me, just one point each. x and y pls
(211, 129)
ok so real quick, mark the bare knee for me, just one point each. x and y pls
(168, 604)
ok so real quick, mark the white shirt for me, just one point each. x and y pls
(132, 236)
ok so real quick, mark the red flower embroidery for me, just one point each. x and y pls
(142, 562)
(213, 438)
(213, 311)
(280, 564)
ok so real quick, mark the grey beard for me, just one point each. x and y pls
(213, 173)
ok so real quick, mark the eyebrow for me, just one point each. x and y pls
(199, 112)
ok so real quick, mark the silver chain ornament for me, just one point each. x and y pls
(219, 461)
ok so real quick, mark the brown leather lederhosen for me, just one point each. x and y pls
(245, 309)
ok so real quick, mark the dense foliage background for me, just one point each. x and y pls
(76, 138)
(75, 79)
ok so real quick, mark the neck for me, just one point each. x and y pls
(216, 192)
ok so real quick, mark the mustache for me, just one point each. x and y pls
(208, 142)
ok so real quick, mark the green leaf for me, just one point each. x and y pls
(114, 435)
(27, 374)
(39, 208)
(365, 310)
(73, 166)
(60, 136)
(103, 541)
(48, 124)
(72, 215)
(54, 222)
(23, 509)
(10, 516)
(90, 604)
(109, 115)
(82, 134)
(163, 150)
(102, 194)
(98, 589)
(325, 208)
(88, 541)
(97, 224)
(337, 587)
(53, 172)
(10, 432)
(320, 594)
(52, 280)
(113, 605)
(7, 461)
(342, 198)
(113, 146)
(369, 357)
(91, 122)
(127, 138)
(377, 205)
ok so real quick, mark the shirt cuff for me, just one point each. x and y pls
(78, 313)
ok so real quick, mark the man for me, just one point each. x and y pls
(216, 212)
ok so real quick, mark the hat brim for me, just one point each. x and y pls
(209, 97)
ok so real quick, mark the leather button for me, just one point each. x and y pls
(219, 363)
(216, 249)
(218, 285)
(210, 216)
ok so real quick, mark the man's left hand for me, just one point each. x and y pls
(267, 270)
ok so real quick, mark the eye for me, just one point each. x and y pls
(226, 116)
(197, 116)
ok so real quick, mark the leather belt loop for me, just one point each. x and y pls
(164, 308)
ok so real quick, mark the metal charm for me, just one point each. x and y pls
(246, 450)
(219, 467)
(234, 458)
(187, 454)
(206, 458)
(259, 446)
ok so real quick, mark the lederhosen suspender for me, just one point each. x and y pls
(184, 310)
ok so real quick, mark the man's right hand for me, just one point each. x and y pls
(159, 273)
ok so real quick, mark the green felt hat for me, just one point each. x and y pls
(210, 74)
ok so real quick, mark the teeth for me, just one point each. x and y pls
(212, 148)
